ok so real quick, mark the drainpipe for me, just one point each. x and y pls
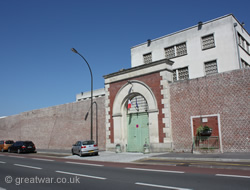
(237, 45)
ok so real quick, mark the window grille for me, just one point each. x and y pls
(180, 74)
(183, 73)
(170, 52)
(181, 49)
(138, 104)
(211, 67)
(244, 64)
(147, 58)
(243, 43)
(176, 50)
(174, 76)
(208, 41)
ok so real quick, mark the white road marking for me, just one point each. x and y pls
(84, 164)
(81, 175)
(151, 170)
(162, 186)
(2, 162)
(223, 175)
(2, 188)
(25, 166)
(42, 159)
(16, 156)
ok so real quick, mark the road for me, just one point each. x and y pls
(30, 171)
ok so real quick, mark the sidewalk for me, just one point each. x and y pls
(131, 157)
(223, 157)
(106, 156)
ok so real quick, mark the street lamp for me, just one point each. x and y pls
(91, 124)
(96, 122)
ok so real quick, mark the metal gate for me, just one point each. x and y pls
(138, 131)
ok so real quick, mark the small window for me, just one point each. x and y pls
(244, 64)
(241, 40)
(181, 49)
(176, 51)
(211, 67)
(208, 42)
(174, 76)
(243, 43)
(147, 58)
(170, 52)
(181, 74)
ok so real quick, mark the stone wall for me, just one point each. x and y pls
(226, 95)
(56, 127)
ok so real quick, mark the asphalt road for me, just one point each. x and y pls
(33, 172)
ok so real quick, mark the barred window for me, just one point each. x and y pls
(181, 49)
(243, 43)
(138, 104)
(241, 40)
(174, 76)
(211, 67)
(181, 74)
(170, 52)
(176, 50)
(208, 41)
(147, 58)
(244, 64)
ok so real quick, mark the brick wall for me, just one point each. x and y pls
(56, 127)
(226, 94)
(153, 81)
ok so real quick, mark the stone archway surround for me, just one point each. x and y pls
(120, 112)
(154, 79)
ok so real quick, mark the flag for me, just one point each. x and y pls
(129, 104)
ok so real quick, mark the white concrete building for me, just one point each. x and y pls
(215, 46)
(87, 95)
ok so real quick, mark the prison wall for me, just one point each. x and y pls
(225, 95)
(56, 127)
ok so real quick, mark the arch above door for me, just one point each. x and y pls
(129, 90)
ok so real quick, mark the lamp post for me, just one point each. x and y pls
(91, 124)
(86, 116)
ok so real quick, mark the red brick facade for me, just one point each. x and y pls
(226, 94)
(212, 122)
(153, 81)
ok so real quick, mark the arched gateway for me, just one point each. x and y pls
(137, 108)
(133, 126)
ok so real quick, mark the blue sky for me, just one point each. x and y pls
(37, 68)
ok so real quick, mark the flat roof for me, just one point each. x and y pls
(222, 17)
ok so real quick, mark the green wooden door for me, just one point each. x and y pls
(138, 132)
